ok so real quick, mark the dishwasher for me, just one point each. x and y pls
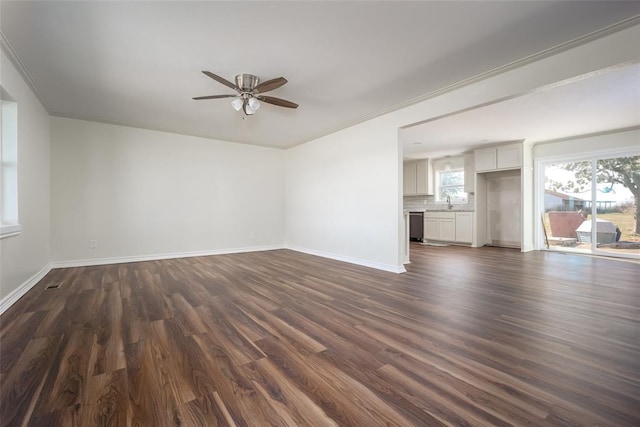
(416, 225)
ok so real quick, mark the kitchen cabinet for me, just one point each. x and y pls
(431, 228)
(464, 227)
(509, 156)
(409, 179)
(469, 173)
(440, 226)
(449, 226)
(502, 157)
(448, 229)
(416, 180)
(485, 159)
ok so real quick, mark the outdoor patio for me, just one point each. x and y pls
(563, 233)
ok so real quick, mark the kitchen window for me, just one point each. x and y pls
(449, 180)
(9, 224)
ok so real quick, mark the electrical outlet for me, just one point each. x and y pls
(93, 244)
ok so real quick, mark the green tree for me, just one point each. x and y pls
(622, 170)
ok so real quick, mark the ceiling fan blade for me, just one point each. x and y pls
(214, 97)
(277, 101)
(270, 85)
(220, 80)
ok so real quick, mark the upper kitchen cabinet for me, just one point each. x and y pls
(502, 157)
(469, 173)
(416, 180)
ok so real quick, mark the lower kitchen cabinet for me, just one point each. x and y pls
(449, 226)
(448, 229)
(440, 226)
(431, 228)
(464, 227)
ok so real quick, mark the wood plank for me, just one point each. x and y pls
(207, 410)
(107, 401)
(66, 385)
(285, 397)
(340, 396)
(236, 391)
(151, 400)
(220, 331)
(21, 389)
(108, 345)
(14, 340)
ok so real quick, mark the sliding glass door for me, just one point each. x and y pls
(565, 204)
(617, 209)
(592, 206)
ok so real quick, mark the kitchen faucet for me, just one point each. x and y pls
(449, 202)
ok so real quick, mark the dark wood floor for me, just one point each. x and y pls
(478, 337)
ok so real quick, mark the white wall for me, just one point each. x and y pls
(141, 193)
(343, 195)
(24, 256)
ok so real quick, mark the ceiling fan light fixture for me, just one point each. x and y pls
(254, 104)
(237, 104)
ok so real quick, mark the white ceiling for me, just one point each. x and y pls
(139, 63)
(604, 101)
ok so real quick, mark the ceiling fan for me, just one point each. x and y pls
(249, 92)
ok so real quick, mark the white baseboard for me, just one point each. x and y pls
(17, 293)
(351, 260)
(154, 257)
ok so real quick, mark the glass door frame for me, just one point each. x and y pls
(539, 192)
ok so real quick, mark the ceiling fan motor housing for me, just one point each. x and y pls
(247, 82)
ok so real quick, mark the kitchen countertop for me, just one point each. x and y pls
(454, 209)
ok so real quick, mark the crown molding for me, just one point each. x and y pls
(8, 50)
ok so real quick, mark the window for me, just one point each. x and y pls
(451, 184)
(449, 180)
(9, 224)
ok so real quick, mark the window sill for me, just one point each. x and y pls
(10, 230)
